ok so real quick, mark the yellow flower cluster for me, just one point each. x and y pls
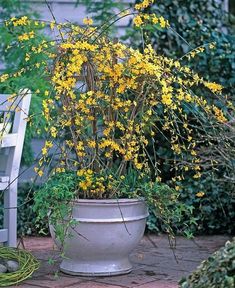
(138, 21)
(214, 87)
(91, 184)
(39, 171)
(142, 19)
(26, 36)
(23, 21)
(219, 114)
(4, 77)
(87, 21)
(144, 4)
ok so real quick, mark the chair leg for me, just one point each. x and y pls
(10, 215)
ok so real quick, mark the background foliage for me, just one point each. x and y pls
(14, 58)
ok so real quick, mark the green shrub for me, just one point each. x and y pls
(214, 211)
(14, 56)
(217, 271)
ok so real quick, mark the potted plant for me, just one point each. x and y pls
(98, 234)
(107, 103)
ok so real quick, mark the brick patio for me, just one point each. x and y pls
(154, 264)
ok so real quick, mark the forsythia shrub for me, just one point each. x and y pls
(106, 105)
(212, 55)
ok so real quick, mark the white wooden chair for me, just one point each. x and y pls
(10, 158)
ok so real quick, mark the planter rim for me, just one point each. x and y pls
(109, 201)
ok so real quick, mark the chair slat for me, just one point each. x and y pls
(9, 140)
(4, 186)
(4, 179)
(3, 235)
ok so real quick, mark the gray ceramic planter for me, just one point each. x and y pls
(107, 232)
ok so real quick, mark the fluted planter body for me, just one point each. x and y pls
(107, 232)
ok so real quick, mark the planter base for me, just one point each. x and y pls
(100, 268)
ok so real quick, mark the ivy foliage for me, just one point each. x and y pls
(214, 212)
(217, 271)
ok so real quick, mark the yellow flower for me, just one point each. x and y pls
(26, 36)
(138, 21)
(23, 21)
(138, 166)
(155, 20)
(89, 172)
(167, 99)
(60, 169)
(200, 194)
(27, 57)
(80, 172)
(212, 45)
(38, 171)
(158, 179)
(52, 25)
(4, 77)
(144, 4)
(176, 148)
(163, 23)
(53, 132)
(219, 114)
(214, 87)
(87, 21)
(48, 144)
(197, 175)
(44, 151)
(91, 143)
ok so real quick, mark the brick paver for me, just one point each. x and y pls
(155, 264)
